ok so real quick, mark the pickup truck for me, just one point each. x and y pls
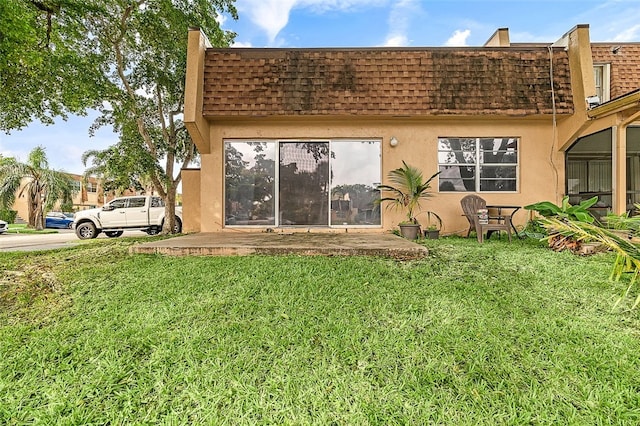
(143, 213)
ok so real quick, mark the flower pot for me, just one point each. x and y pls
(432, 234)
(410, 231)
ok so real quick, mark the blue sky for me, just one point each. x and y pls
(363, 23)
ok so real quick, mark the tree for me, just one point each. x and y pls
(47, 61)
(44, 187)
(143, 44)
(119, 168)
(126, 58)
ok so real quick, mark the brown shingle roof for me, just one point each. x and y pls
(625, 65)
(384, 82)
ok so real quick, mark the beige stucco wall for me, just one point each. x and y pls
(191, 200)
(539, 179)
(21, 205)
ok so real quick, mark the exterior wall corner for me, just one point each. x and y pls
(194, 121)
(499, 39)
(191, 200)
(582, 84)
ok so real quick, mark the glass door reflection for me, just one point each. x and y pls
(304, 183)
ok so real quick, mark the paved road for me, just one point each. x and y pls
(30, 242)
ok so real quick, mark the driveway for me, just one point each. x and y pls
(30, 242)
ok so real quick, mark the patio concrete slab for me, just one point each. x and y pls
(277, 243)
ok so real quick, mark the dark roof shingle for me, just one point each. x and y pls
(384, 82)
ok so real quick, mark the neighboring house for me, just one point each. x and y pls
(301, 137)
(88, 195)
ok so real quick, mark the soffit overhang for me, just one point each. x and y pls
(626, 103)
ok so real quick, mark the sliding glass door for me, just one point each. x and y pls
(304, 183)
(316, 183)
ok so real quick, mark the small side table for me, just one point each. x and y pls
(511, 210)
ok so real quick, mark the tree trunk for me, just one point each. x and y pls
(36, 218)
(170, 210)
(32, 212)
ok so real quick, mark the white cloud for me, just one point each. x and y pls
(145, 92)
(221, 19)
(6, 151)
(397, 40)
(611, 20)
(629, 34)
(321, 6)
(399, 22)
(270, 15)
(528, 37)
(241, 44)
(273, 15)
(459, 38)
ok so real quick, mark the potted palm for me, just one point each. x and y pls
(408, 188)
(434, 225)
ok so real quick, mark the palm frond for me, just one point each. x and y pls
(627, 253)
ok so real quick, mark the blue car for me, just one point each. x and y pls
(58, 220)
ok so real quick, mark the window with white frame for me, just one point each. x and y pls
(601, 74)
(478, 164)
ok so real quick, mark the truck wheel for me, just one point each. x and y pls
(113, 234)
(154, 230)
(177, 227)
(86, 231)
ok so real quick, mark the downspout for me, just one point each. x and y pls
(554, 132)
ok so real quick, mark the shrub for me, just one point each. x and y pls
(8, 215)
(579, 212)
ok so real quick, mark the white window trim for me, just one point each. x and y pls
(606, 81)
(478, 164)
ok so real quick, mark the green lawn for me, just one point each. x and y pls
(16, 228)
(475, 334)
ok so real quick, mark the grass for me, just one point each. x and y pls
(17, 228)
(475, 334)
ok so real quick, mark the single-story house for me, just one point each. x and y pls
(300, 138)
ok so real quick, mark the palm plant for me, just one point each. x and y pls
(575, 212)
(408, 188)
(625, 221)
(627, 253)
(44, 187)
